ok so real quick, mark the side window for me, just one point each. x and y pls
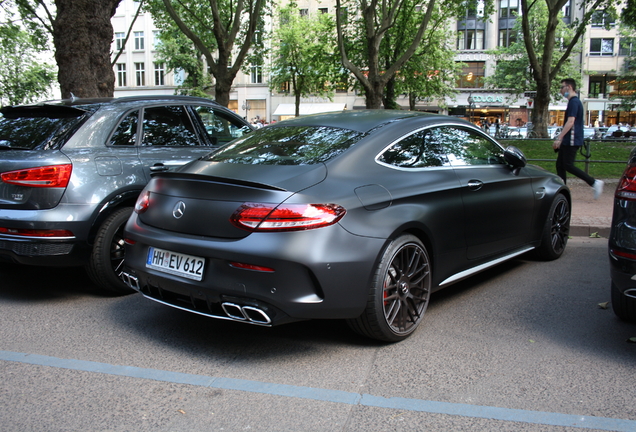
(465, 147)
(168, 126)
(419, 150)
(220, 129)
(126, 132)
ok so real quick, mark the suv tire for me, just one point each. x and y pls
(108, 254)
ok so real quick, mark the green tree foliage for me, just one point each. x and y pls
(626, 80)
(304, 54)
(226, 33)
(547, 60)
(179, 54)
(513, 71)
(367, 47)
(430, 73)
(23, 79)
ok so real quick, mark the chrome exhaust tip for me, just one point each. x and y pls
(130, 280)
(248, 314)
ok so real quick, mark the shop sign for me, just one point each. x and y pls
(488, 99)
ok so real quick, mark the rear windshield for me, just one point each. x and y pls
(287, 145)
(38, 128)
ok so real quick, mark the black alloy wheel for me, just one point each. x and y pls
(400, 292)
(556, 230)
(107, 257)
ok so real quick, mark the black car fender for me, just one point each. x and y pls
(121, 199)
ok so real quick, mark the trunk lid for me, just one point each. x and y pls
(201, 198)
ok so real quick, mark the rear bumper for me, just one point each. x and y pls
(40, 252)
(47, 251)
(318, 274)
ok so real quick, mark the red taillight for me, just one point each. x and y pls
(142, 202)
(36, 232)
(46, 176)
(286, 217)
(628, 255)
(251, 267)
(627, 184)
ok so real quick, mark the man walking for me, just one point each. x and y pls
(570, 139)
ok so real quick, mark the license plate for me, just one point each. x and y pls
(179, 264)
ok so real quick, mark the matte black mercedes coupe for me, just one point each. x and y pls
(357, 215)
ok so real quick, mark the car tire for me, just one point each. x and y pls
(108, 254)
(399, 294)
(624, 307)
(556, 230)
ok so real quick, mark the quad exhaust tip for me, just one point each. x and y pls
(233, 311)
(246, 313)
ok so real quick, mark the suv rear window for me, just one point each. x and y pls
(38, 127)
(287, 145)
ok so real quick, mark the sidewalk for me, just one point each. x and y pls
(591, 216)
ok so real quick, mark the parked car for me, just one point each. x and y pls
(71, 172)
(622, 244)
(359, 215)
(616, 131)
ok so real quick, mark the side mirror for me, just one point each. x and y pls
(515, 157)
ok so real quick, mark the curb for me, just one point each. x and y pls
(588, 230)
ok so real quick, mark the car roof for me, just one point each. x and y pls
(75, 101)
(359, 120)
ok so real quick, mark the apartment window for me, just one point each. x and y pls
(160, 72)
(119, 40)
(139, 40)
(627, 46)
(257, 74)
(304, 12)
(156, 41)
(507, 37)
(121, 74)
(508, 8)
(567, 10)
(284, 87)
(600, 18)
(140, 74)
(472, 75)
(475, 9)
(323, 10)
(470, 39)
(601, 46)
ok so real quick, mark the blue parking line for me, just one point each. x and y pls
(335, 396)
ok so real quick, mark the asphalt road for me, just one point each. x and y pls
(523, 347)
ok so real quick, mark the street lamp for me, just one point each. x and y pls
(246, 107)
(471, 106)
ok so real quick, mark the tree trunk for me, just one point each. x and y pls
(389, 96)
(83, 34)
(374, 93)
(541, 110)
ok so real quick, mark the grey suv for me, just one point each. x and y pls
(71, 170)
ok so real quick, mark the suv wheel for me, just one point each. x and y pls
(108, 254)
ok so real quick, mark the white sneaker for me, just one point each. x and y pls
(598, 188)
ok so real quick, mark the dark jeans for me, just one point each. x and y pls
(565, 163)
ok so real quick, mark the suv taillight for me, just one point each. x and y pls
(46, 176)
(627, 184)
(286, 217)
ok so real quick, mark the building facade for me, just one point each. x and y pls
(138, 71)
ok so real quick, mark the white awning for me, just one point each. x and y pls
(308, 108)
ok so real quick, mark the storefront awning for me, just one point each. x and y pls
(308, 108)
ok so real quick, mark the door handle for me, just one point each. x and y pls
(475, 185)
(158, 168)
